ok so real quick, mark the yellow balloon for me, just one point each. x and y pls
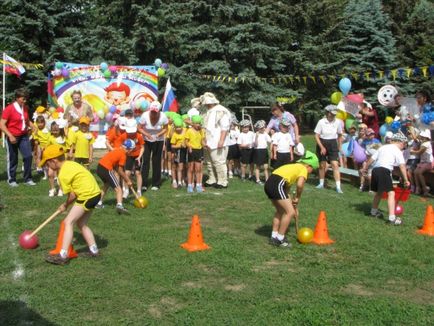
(336, 97)
(141, 202)
(342, 115)
(305, 235)
(388, 120)
(95, 102)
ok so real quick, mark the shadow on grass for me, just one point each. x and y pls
(264, 230)
(364, 208)
(100, 242)
(18, 313)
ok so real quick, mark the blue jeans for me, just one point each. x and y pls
(23, 145)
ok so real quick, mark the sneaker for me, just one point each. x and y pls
(51, 192)
(199, 189)
(125, 193)
(99, 206)
(339, 191)
(13, 184)
(259, 182)
(90, 254)
(190, 189)
(210, 184)
(60, 193)
(30, 183)
(45, 177)
(155, 188)
(396, 221)
(230, 174)
(122, 210)
(320, 187)
(144, 189)
(174, 185)
(243, 179)
(378, 214)
(56, 260)
(280, 243)
(219, 186)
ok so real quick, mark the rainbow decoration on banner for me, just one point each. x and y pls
(122, 87)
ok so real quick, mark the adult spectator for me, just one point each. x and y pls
(15, 124)
(370, 117)
(278, 114)
(77, 109)
(328, 136)
(217, 123)
(153, 126)
(423, 99)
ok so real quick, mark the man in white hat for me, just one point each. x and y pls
(217, 123)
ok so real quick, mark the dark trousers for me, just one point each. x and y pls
(154, 149)
(23, 145)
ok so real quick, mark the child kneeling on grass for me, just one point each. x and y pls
(277, 188)
(385, 159)
(82, 189)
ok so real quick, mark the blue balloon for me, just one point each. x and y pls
(112, 109)
(158, 62)
(346, 149)
(345, 85)
(427, 117)
(144, 105)
(383, 129)
(395, 125)
(103, 66)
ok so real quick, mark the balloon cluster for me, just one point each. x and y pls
(60, 69)
(107, 70)
(161, 67)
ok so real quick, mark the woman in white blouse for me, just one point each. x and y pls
(328, 132)
(153, 127)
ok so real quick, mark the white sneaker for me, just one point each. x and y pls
(125, 193)
(13, 184)
(51, 192)
(320, 186)
(231, 174)
(30, 183)
(155, 188)
(60, 193)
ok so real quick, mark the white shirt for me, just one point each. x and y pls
(153, 129)
(263, 139)
(426, 157)
(217, 119)
(328, 130)
(283, 141)
(246, 138)
(388, 156)
(233, 136)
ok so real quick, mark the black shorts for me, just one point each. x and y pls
(381, 180)
(107, 176)
(82, 160)
(260, 156)
(132, 164)
(196, 155)
(246, 155)
(89, 203)
(168, 145)
(331, 146)
(179, 155)
(275, 187)
(411, 164)
(233, 152)
(282, 159)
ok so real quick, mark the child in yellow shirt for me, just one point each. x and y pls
(167, 151)
(195, 141)
(179, 153)
(41, 138)
(81, 144)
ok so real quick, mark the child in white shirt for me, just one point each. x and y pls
(283, 145)
(260, 151)
(425, 164)
(233, 158)
(245, 142)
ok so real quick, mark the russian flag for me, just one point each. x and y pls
(12, 66)
(169, 100)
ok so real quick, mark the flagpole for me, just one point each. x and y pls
(4, 95)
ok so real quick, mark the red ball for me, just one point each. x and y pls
(27, 242)
(399, 210)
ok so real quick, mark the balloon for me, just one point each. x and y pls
(336, 97)
(158, 63)
(383, 129)
(57, 72)
(103, 66)
(161, 72)
(386, 96)
(345, 85)
(349, 123)
(113, 69)
(107, 73)
(355, 98)
(27, 242)
(109, 117)
(399, 210)
(342, 115)
(305, 235)
(52, 109)
(359, 154)
(65, 73)
(395, 125)
(141, 202)
(144, 105)
(100, 114)
(184, 116)
(165, 66)
(388, 120)
(346, 149)
(112, 109)
(138, 103)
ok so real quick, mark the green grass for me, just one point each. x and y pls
(374, 274)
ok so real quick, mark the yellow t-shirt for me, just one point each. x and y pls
(42, 136)
(70, 134)
(178, 139)
(194, 138)
(62, 141)
(291, 172)
(76, 178)
(82, 141)
(169, 131)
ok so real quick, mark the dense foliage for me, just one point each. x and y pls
(262, 45)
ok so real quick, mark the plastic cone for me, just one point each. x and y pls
(195, 240)
(321, 233)
(71, 252)
(428, 224)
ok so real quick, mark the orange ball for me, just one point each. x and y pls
(305, 235)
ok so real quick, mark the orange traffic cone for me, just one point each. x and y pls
(428, 224)
(71, 252)
(321, 233)
(195, 240)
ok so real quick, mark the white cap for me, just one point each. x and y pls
(62, 123)
(426, 133)
(155, 106)
(131, 126)
(122, 122)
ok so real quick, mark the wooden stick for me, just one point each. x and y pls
(45, 223)
(136, 195)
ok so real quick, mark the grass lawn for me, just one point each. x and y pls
(375, 274)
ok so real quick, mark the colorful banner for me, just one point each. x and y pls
(105, 89)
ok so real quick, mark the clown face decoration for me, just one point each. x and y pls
(386, 96)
